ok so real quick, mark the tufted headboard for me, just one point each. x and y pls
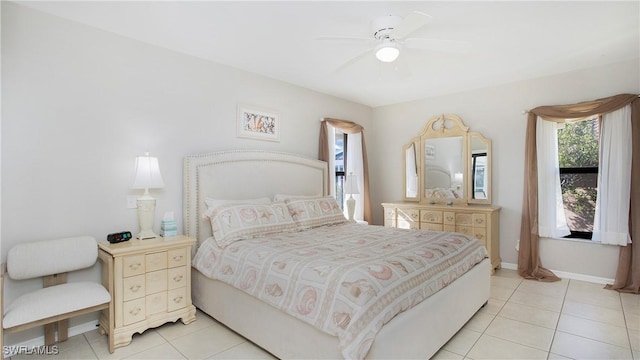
(245, 174)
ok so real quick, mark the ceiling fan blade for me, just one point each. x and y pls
(343, 38)
(353, 60)
(437, 45)
(409, 24)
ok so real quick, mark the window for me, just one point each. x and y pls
(578, 160)
(340, 165)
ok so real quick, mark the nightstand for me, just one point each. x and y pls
(150, 284)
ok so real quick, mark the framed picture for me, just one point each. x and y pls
(430, 152)
(258, 123)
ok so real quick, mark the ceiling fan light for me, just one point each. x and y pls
(387, 52)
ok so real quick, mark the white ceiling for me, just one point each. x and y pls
(510, 40)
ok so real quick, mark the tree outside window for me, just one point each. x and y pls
(578, 159)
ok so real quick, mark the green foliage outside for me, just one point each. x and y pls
(578, 147)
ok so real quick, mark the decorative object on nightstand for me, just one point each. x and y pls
(351, 188)
(168, 225)
(147, 177)
(150, 284)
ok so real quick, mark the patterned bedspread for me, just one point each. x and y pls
(347, 280)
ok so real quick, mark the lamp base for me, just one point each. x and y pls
(351, 207)
(146, 211)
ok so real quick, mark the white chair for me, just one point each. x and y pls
(57, 301)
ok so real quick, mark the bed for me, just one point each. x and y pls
(418, 332)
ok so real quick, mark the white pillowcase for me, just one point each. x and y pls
(285, 197)
(314, 212)
(212, 203)
(232, 222)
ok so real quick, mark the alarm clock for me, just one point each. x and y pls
(119, 237)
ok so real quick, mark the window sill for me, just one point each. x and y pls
(588, 241)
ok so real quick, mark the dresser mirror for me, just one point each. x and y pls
(480, 189)
(447, 164)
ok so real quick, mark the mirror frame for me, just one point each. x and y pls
(471, 189)
(443, 126)
(416, 146)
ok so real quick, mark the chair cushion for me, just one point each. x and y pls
(35, 259)
(54, 300)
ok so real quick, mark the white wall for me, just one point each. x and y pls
(79, 104)
(496, 112)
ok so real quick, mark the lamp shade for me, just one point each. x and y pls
(147, 173)
(351, 185)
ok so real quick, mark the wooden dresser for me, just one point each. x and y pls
(479, 221)
(150, 284)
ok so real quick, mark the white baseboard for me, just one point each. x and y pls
(39, 341)
(568, 275)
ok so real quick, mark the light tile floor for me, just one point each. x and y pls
(523, 320)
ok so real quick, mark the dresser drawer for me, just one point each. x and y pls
(177, 277)
(156, 281)
(467, 230)
(389, 222)
(409, 215)
(449, 218)
(133, 287)
(480, 234)
(133, 311)
(464, 219)
(177, 299)
(389, 213)
(479, 220)
(133, 265)
(430, 226)
(407, 224)
(156, 261)
(431, 216)
(177, 257)
(156, 303)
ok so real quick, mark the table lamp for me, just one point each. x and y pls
(147, 177)
(351, 188)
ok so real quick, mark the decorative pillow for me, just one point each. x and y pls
(310, 213)
(233, 222)
(212, 204)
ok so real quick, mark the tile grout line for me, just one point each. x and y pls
(555, 330)
(494, 317)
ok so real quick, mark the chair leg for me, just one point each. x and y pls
(50, 334)
(63, 330)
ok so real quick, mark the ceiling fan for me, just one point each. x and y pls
(390, 36)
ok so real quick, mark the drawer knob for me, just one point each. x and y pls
(177, 299)
(134, 266)
(177, 278)
(177, 258)
(479, 221)
(135, 311)
(135, 288)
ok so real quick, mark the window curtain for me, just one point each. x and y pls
(529, 263)
(552, 221)
(611, 225)
(349, 128)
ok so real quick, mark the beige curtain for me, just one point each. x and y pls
(348, 127)
(529, 264)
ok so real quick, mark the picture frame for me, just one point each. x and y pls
(258, 123)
